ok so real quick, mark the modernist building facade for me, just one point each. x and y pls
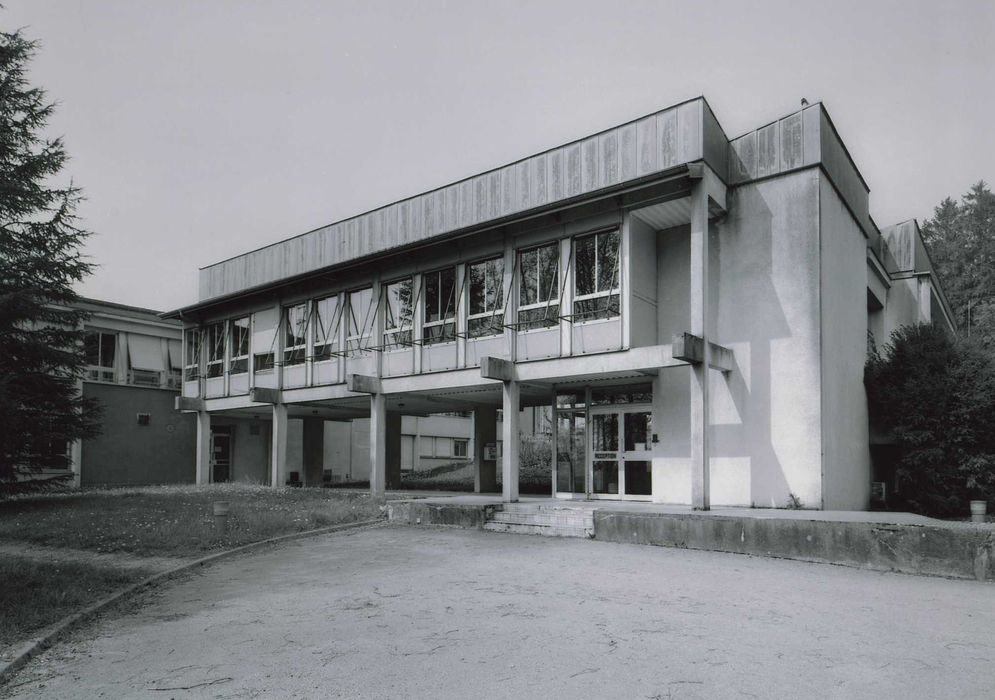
(693, 310)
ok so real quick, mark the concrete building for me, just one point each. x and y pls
(694, 310)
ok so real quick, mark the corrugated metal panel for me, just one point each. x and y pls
(658, 142)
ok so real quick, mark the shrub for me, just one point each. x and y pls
(935, 394)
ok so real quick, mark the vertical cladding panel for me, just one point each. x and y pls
(555, 159)
(465, 203)
(480, 198)
(509, 177)
(791, 142)
(540, 193)
(377, 223)
(743, 159)
(715, 143)
(524, 199)
(590, 180)
(627, 148)
(452, 195)
(666, 129)
(494, 194)
(403, 234)
(416, 216)
(646, 146)
(429, 221)
(609, 158)
(811, 152)
(573, 172)
(389, 233)
(689, 132)
(767, 155)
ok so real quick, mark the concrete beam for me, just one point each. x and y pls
(691, 349)
(263, 395)
(362, 384)
(188, 403)
(497, 368)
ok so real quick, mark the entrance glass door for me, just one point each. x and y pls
(220, 457)
(621, 451)
(571, 448)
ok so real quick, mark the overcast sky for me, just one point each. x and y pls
(203, 129)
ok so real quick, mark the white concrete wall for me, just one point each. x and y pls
(846, 453)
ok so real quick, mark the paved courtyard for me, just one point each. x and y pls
(391, 612)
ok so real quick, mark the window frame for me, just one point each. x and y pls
(448, 336)
(295, 353)
(216, 365)
(553, 300)
(464, 447)
(100, 349)
(496, 312)
(365, 333)
(192, 344)
(616, 289)
(238, 363)
(397, 334)
(329, 347)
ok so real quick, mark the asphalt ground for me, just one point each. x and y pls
(396, 612)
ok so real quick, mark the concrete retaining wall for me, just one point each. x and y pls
(957, 551)
(419, 513)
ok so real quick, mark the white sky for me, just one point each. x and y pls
(201, 129)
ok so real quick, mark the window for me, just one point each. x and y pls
(397, 313)
(461, 448)
(539, 276)
(265, 324)
(362, 316)
(440, 306)
(596, 276)
(485, 280)
(443, 446)
(239, 345)
(100, 349)
(191, 361)
(215, 349)
(295, 334)
(327, 319)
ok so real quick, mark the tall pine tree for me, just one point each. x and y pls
(961, 242)
(41, 337)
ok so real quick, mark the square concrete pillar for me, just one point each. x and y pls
(484, 433)
(278, 459)
(203, 470)
(700, 489)
(313, 451)
(510, 438)
(378, 445)
(393, 449)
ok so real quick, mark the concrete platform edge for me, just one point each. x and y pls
(57, 631)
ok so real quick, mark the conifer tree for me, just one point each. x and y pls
(41, 337)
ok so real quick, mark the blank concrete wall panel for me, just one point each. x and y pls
(627, 149)
(791, 142)
(666, 131)
(767, 297)
(590, 164)
(672, 426)
(689, 132)
(846, 459)
(743, 158)
(574, 171)
(714, 143)
(647, 146)
(843, 172)
(608, 165)
(673, 282)
(768, 143)
(643, 284)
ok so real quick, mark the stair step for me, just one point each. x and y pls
(565, 519)
(544, 530)
(543, 508)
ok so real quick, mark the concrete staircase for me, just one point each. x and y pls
(548, 520)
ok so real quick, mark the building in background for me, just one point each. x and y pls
(692, 311)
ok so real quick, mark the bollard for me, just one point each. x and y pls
(978, 509)
(221, 509)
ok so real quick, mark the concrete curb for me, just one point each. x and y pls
(60, 629)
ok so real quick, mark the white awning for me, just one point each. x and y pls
(175, 354)
(145, 352)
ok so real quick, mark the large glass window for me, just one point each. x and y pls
(239, 345)
(100, 349)
(191, 353)
(485, 281)
(596, 276)
(327, 321)
(295, 334)
(538, 291)
(216, 349)
(440, 306)
(397, 313)
(362, 316)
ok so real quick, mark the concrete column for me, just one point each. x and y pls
(484, 433)
(392, 448)
(378, 445)
(700, 488)
(313, 451)
(76, 462)
(510, 438)
(278, 459)
(203, 471)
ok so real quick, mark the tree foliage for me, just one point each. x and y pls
(41, 355)
(935, 394)
(961, 242)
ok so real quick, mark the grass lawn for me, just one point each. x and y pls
(37, 594)
(174, 520)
